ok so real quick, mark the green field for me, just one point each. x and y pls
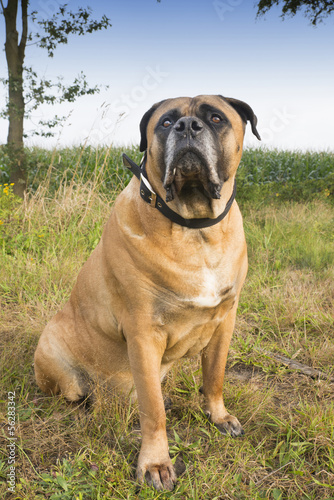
(65, 452)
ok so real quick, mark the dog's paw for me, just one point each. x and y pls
(160, 476)
(230, 425)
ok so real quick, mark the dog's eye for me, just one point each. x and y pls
(166, 123)
(216, 119)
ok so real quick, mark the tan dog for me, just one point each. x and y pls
(153, 290)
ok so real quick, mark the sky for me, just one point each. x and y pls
(283, 69)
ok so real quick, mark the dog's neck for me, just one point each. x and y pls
(194, 203)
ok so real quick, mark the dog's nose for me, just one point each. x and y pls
(188, 125)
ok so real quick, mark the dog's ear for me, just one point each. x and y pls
(245, 111)
(143, 125)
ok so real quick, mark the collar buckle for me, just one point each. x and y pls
(153, 199)
(147, 192)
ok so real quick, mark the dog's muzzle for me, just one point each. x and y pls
(191, 159)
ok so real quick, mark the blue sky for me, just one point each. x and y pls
(283, 69)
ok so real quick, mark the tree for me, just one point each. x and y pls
(315, 10)
(26, 92)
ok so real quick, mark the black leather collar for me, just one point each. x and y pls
(149, 196)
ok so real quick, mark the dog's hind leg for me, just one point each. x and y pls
(56, 372)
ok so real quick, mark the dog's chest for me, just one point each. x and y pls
(207, 290)
(190, 314)
(195, 284)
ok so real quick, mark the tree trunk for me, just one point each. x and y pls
(15, 52)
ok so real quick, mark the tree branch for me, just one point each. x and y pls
(296, 365)
(326, 10)
(64, 23)
(3, 7)
(23, 42)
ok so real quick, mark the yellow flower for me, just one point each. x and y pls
(1, 222)
(41, 235)
(12, 184)
(277, 194)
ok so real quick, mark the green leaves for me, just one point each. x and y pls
(315, 10)
(275, 176)
(39, 91)
(64, 23)
(75, 479)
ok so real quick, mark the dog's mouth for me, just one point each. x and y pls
(189, 174)
(193, 191)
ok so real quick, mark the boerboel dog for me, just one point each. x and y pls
(164, 281)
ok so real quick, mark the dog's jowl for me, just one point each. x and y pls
(164, 281)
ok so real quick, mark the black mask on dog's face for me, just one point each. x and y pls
(193, 140)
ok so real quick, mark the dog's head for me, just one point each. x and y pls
(194, 146)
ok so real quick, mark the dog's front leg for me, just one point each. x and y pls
(213, 364)
(154, 463)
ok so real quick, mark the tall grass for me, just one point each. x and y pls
(261, 166)
(262, 173)
(54, 168)
(287, 306)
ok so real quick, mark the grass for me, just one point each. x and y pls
(65, 452)
(263, 174)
